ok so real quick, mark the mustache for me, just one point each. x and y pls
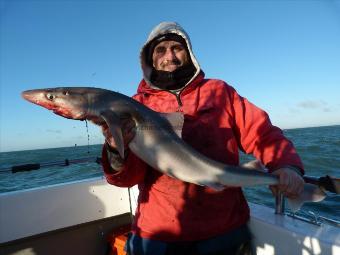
(171, 62)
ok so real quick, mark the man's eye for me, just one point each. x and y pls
(178, 48)
(160, 50)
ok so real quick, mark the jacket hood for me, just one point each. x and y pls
(162, 29)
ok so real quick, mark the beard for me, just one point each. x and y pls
(174, 80)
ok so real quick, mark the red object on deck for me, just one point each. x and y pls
(117, 240)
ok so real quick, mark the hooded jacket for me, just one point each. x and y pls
(162, 29)
(218, 122)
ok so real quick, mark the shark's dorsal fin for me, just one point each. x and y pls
(114, 123)
(176, 121)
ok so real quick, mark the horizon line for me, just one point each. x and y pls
(86, 145)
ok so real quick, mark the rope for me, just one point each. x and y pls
(130, 203)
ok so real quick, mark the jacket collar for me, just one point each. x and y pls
(145, 88)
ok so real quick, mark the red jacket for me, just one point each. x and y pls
(217, 123)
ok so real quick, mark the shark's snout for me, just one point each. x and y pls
(38, 97)
(58, 100)
(29, 95)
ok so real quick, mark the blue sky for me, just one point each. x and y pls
(284, 56)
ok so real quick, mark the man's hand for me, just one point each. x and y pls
(128, 129)
(290, 183)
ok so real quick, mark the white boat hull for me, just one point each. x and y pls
(74, 218)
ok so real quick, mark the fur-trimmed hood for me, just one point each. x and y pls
(162, 29)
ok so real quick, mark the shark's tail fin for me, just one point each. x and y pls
(311, 193)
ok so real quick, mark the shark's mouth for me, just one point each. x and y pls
(48, 105)
(68, 114)
(62, 112)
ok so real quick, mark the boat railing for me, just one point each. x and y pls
(328, 183)
(279, 203)
(307, 216)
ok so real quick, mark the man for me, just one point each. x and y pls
(175, 217)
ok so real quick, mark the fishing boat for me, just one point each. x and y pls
(81, 217)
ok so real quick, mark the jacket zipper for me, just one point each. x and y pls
(179, 101)
(178, 98)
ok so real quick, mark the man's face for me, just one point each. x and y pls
(169, 55)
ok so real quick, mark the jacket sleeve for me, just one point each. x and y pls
(256, 135)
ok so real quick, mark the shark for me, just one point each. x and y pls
(157, 139)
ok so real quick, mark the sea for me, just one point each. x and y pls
(319, 148)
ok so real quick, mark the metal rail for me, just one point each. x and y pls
(309, 216)
(280, 203)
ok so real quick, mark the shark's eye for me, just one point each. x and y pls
(50, 96)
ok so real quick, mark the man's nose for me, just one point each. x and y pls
(170, 54)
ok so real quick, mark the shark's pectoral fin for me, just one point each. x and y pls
(176, 121)
(311, 193)
(114, 123)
